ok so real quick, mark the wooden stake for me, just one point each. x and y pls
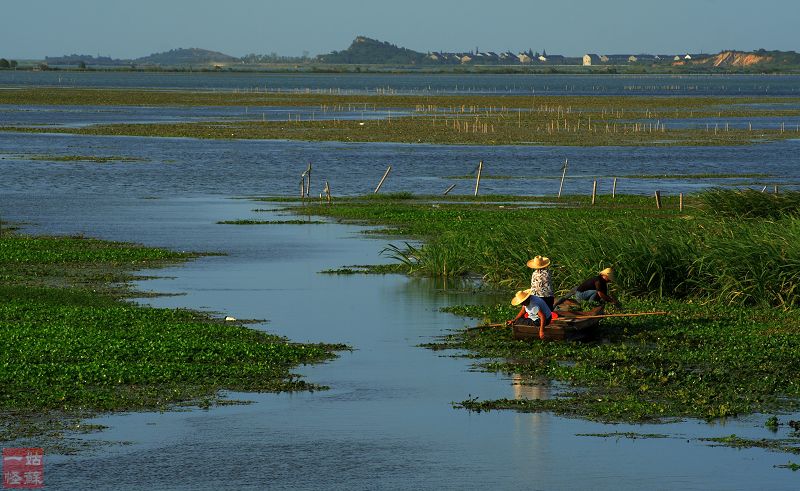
(478, 180)
(594, 190)
(563, 175)
(658, 199)
(614, 189)
(448, 190)
(680, 202)
(389, 169)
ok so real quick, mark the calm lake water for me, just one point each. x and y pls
(549, 84)
(387, 421)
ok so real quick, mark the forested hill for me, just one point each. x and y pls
(188, 56)
(371, 51)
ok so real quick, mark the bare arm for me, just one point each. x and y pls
(515, 319)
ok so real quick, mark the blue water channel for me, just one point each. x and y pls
(420, 83)
(387, 420)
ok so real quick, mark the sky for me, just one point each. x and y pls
(33, 29)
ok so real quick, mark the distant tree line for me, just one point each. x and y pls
(254, 59)
(4, 63)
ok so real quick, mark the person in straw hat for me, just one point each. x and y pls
(541, 282)
(595, 289)
(534, 311)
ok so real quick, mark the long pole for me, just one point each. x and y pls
(389, 169)
(308, 173)
(448, 190)
(563, 175)
(478, 180)
(594, 190)
(614, 315)
(614, 189)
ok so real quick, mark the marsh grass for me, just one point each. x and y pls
(466, 119)
(657, 253)
(750, 203)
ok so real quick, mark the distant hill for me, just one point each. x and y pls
(364, 50)
(187, 56)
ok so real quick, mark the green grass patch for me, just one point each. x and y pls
(70, 346)
(395, 268)
(706, 175)
(271, 222)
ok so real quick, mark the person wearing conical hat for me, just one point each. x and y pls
(541, 281)
(534, 311)
(595, 289)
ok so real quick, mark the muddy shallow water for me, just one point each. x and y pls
(387, 420)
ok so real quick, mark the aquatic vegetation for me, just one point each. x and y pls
(271, 222)
(724, 350)
(462, 119)
(626, 434)
(97, 159)
(368, 269)
(659, 253)
(749, 203)
(70, 346)
(786, 445)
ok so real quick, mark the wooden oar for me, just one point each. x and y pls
(614, 315)
(601, 316)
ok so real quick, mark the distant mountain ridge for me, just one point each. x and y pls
(173, 57)
(367, 51)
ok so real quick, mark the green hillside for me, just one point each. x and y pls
(364, 50)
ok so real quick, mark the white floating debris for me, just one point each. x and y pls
(229, 318)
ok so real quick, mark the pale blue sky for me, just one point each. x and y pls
(130, 29)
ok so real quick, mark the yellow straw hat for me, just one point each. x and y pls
(521, 296)
(539, 262)
(608, 272)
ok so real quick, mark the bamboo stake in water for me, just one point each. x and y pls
(448, 190)
(658, 199)
(614, 189)
(478, 180)
(594, 190)
(563, 174)
(385, 174)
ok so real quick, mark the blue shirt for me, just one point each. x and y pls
(535, 305)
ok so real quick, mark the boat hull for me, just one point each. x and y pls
(569, 326)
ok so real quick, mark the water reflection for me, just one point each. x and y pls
(528, 387)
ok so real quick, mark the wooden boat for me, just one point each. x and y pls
(568, 326)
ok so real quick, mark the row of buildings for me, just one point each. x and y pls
(530, 58)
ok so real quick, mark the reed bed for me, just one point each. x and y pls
(659, 254)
